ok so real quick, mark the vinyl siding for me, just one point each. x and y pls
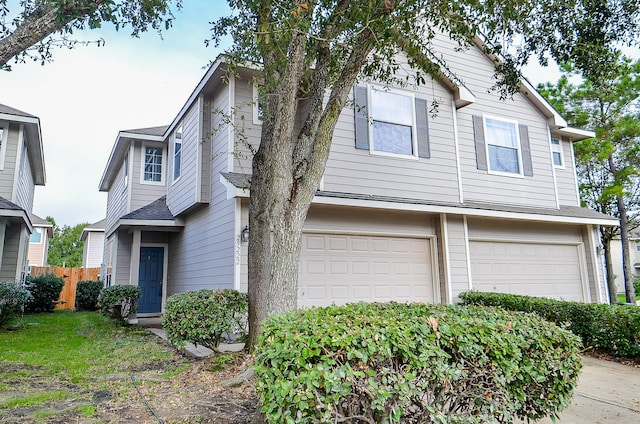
(247, 134)
(202, 255)
(123, 259)
(566, 178)
(36, 255)
(143, 194)
(496, 229)
(25, 183)
(10, 254)
(117, 200)
(476, 71)
(458, 266)
(92, 249)
(8, 167)
(182, 194)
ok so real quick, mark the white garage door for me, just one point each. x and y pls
(546, 270)
(336, 268)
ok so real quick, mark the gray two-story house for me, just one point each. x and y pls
(414, 205)
(21, 169)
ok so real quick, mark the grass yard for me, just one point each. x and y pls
(78, 367)
(622, 298)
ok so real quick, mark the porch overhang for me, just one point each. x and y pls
(157, 225)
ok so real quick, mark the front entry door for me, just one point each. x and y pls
(150, 279)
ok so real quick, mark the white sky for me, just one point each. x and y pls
(88, 94)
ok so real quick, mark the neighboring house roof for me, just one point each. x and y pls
(568, 214)
(43, 223)
(33, 139)
(121, 146)
(154, 216)
(96, 227)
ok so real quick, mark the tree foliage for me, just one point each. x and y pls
(311, 53)
(608, 165)
(65, 248)
(32, 28)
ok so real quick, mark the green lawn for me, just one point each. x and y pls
(65, 358)
(622, 298)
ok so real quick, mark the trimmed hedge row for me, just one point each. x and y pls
(204, 316)
(413, 363)
(612, 327)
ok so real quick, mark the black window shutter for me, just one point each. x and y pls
(478, 135)
(527, 164)
(361, 118)
(422, 128)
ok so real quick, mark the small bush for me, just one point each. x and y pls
(636, 284)
(45, 290)
(204, 316)
(413, 363)
(13, 299)
(612, 327)
(119, 302)
(87, 293)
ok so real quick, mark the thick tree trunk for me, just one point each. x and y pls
(611, 278)
(626, 256)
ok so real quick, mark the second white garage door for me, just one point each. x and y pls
(534, 269)
(341, 268)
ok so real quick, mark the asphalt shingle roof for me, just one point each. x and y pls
(7, 205)
(159, 131)
(244, 181)
(13, 111)
(156, 210)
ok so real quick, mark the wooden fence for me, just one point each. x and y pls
(71, 276)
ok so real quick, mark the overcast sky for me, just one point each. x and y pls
(88, 94)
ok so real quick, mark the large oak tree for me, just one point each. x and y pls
(312, 52)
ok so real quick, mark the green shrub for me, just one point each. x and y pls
(612, 327)
(204, 316)
(13, 299)
(119, 302)
(45, 291)
(636, 284)
(413, 363)
(87, 293)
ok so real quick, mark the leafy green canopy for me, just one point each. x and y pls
(65, 248)
(331, 32)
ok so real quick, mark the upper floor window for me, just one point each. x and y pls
(152, 166)
(125, 170)
(36, 236)
(502, 146)
(4, 133)
(258, 103)
(637, 246)
(177, 153)
(556, 151)
(391, 122)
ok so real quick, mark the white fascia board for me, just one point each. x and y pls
(556, 120)
(337, 201)
(15, 213)
(174, 223)
(576, 134)
(21, 119)
(137, 136)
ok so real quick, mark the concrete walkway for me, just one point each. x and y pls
(607, 392)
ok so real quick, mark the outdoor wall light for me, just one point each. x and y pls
(244, 234)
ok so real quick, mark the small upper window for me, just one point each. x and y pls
(126, 170)
(393, 122)
(177, 153)
(152, 164)
(36, 236)
(556, 151)
(503, 146)
(258, 103)
(637, 246)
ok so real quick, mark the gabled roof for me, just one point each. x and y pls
(33, 138)
(9, 209)
(566, 214)
(42, 223)
(155, 216)
(96, 227)
(121, 146)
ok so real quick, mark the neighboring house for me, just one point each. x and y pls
(616, 258)
(416, 207)
(93, 248)
(21, 169)
(39, 241)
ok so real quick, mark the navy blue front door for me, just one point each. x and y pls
(150, 279)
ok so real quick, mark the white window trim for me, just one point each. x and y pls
(3, 142)
(520, 174)
(414, 129)
(37, 230)
(179, 129)
(256, 107)
(557, 149)
(163, 171)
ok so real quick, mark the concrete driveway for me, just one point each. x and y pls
(607, 392)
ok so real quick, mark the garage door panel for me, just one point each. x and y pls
(349, 268)
(536, 269)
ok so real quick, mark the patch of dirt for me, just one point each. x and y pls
(607, 356)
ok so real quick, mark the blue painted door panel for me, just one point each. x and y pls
(150, 279)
